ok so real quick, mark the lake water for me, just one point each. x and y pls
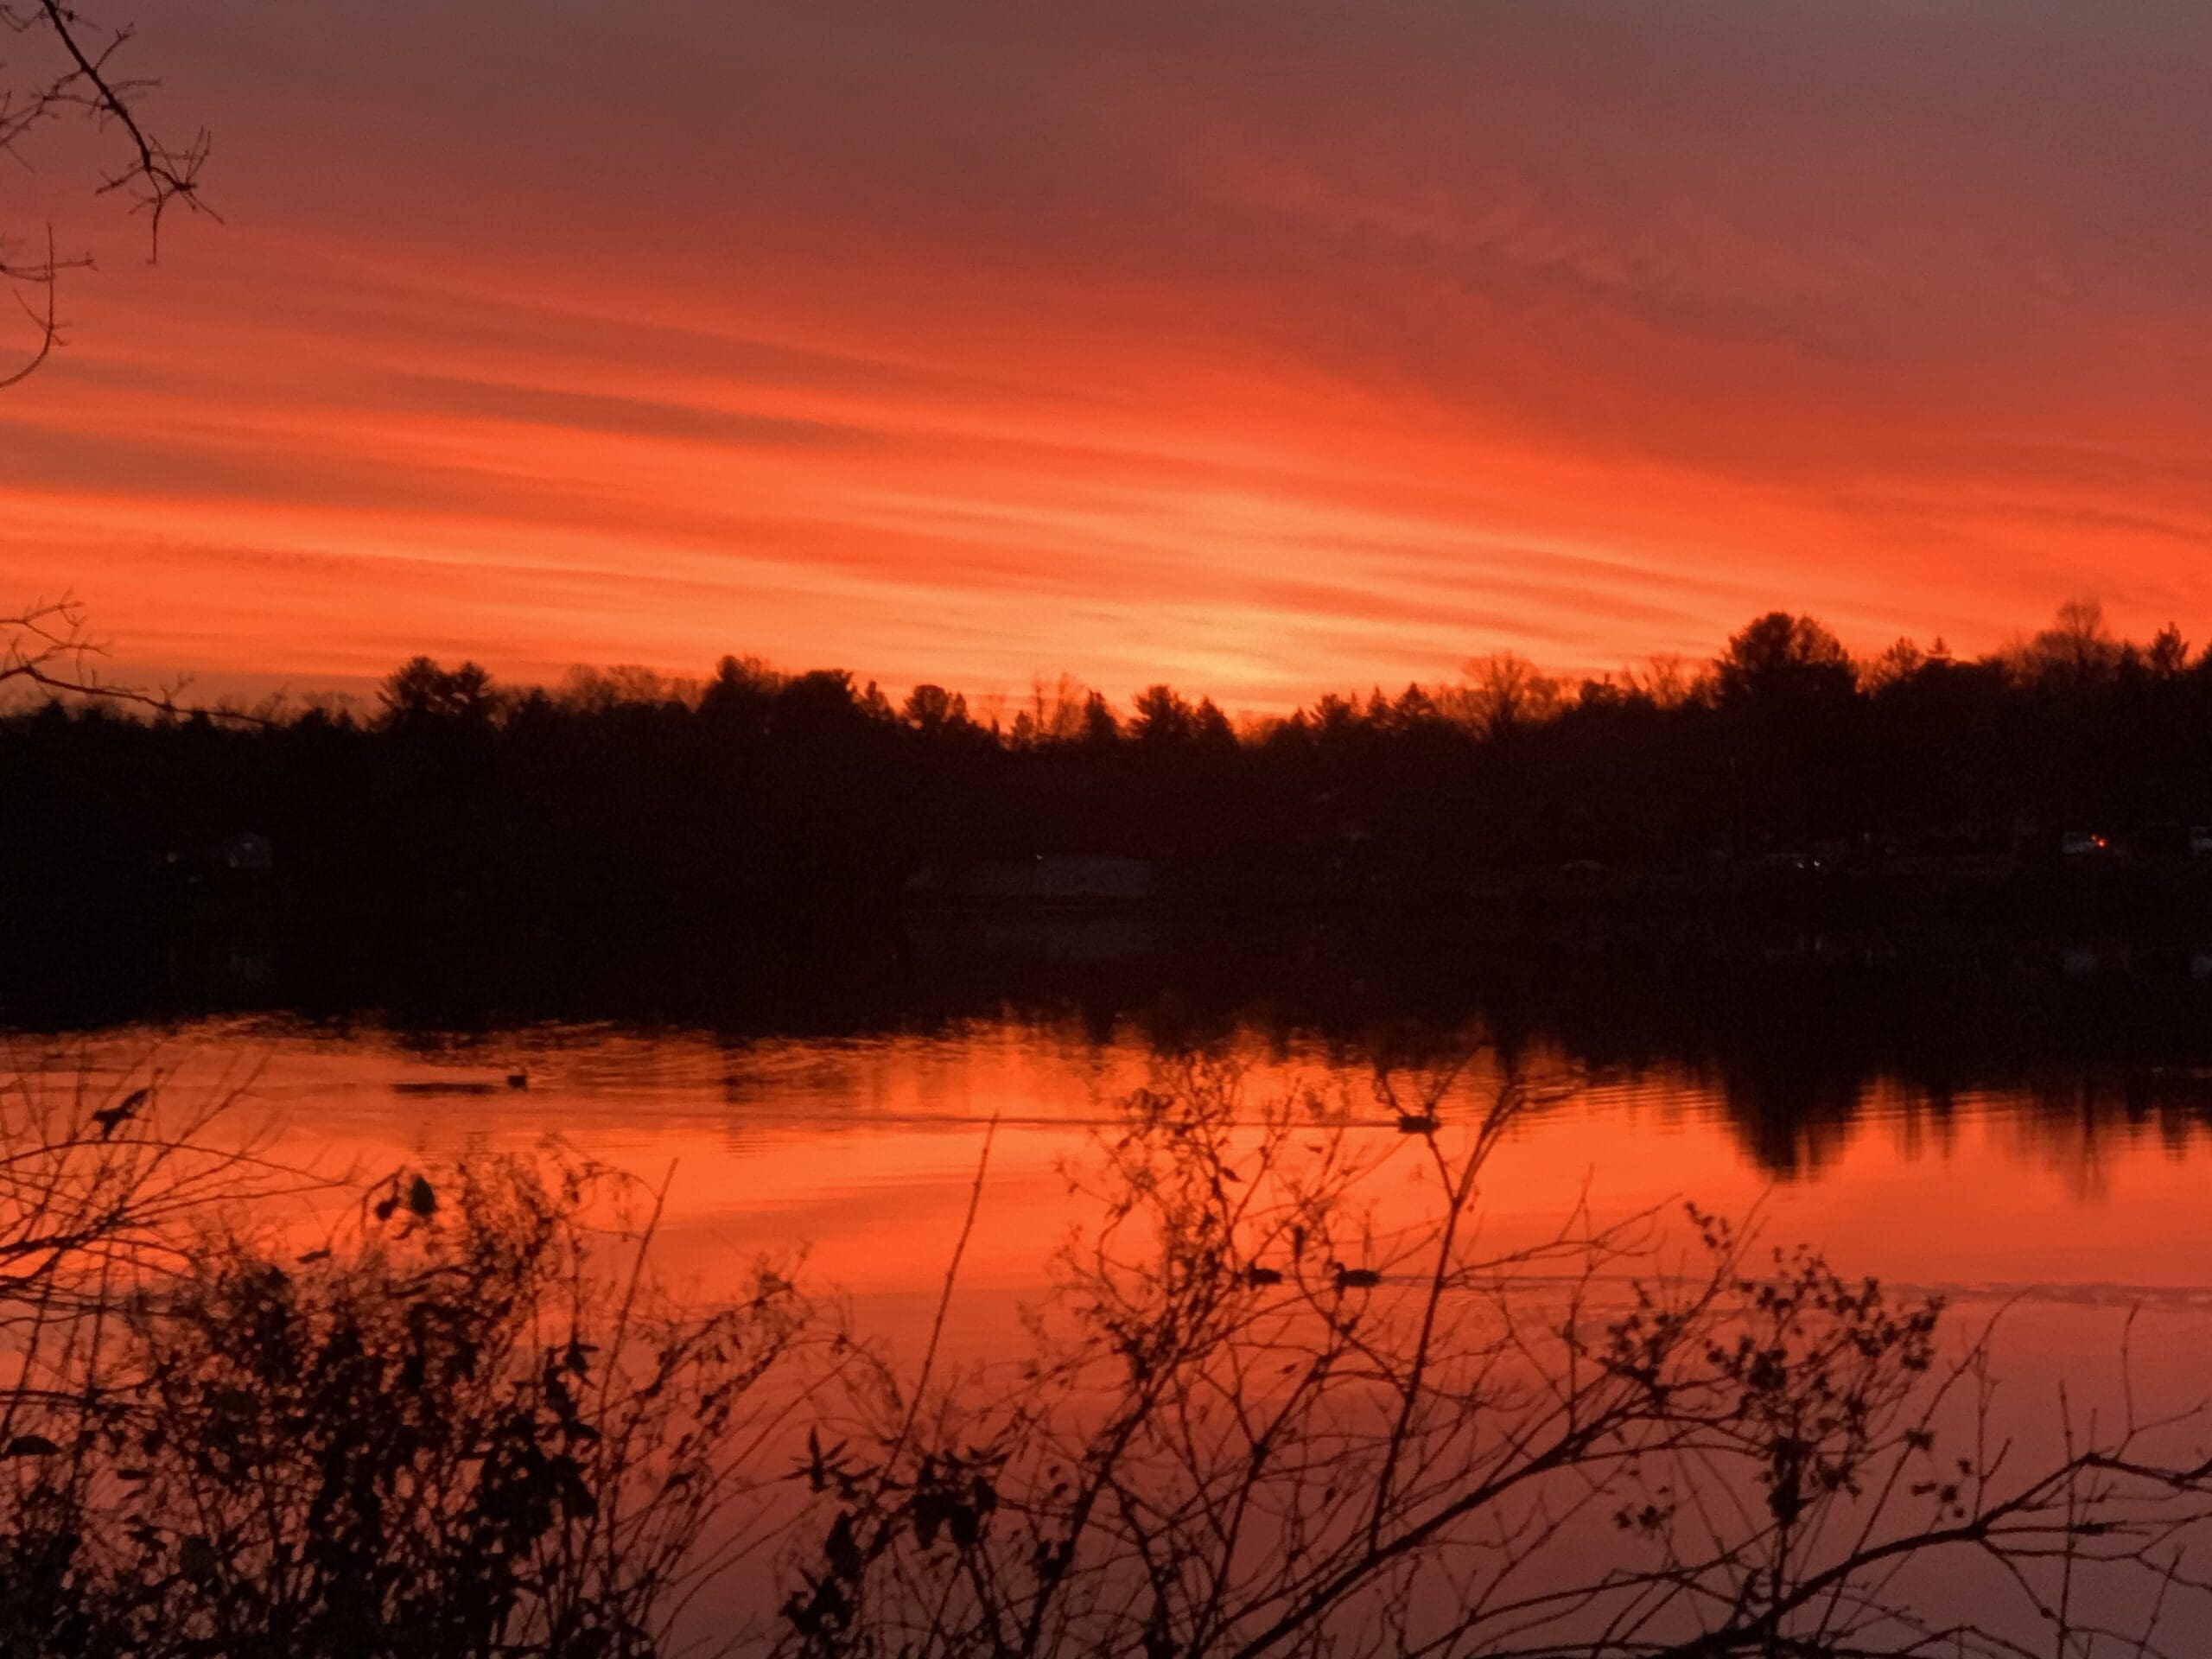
(2063, 1194)
(2082, 1190)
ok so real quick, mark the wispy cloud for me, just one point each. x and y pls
(1292, 344)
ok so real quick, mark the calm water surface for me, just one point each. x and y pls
(2074, 1204)
(2087, 1192)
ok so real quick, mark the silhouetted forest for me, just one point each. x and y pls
(622, 803)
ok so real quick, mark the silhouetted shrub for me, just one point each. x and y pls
(1267, 1412)
(1263, 1417)
(450, 1432)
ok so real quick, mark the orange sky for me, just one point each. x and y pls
(1270, 348)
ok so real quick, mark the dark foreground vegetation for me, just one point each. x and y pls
(620, 803)
(1261, 1416)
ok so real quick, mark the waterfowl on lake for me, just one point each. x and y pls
(114, 1118)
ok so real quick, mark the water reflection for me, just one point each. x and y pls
(861, 1146)
(1379, 1352)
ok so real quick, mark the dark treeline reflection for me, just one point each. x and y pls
(1795, 1039)
(624, 802)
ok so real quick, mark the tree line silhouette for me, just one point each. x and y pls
(621, 798)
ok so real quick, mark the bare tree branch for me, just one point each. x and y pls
(158, 174)
(155, 174)
(1260, 1422)
(48, 645)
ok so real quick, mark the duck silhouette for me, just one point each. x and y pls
(114, 1118)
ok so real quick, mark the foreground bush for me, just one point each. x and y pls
(1266, 1416)
(1265, 1413)
(450, 1434)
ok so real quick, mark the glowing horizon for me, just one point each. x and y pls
(1270, 351)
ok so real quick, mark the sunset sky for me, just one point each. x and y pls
(1270, 348)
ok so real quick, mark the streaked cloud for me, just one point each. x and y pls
(1282, 347)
